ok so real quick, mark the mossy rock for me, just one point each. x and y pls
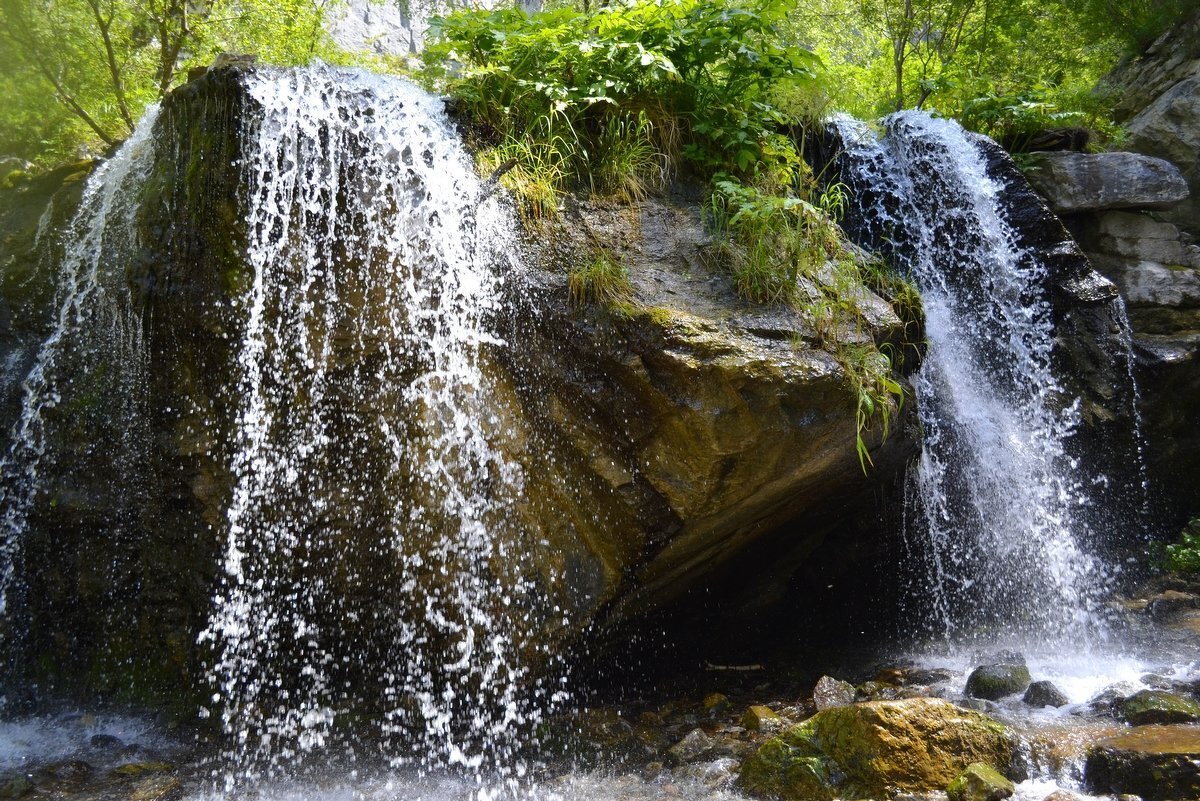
(873, 749)
(979, 782)
(1159, 706)
(994, 682)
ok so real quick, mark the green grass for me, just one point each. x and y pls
(602, 281)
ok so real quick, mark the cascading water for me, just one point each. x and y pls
(368, 511)
(94, 350)
(376, 262)
(1003, 503)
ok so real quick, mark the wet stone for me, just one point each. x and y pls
(141, 768)
(1159, 706)
(761, 718)
(1043, 694)
(716, 704)
(993, 682)
(1062, 795)
(980, 782)
(692, 748)
(16, 788)
(830, 692)
(1108, 700)
(157, 788)
(71, 770)
(1154, 762)
(106, 742)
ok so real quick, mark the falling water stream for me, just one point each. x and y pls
(998, 497)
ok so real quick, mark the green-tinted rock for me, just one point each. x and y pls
(761, 718)
(979, 782)
(1154, 762)
(872, 749)
(994, 682)
(16, 788)
(141, 768)
(716, 704)
(157, 788)
(1159, 706)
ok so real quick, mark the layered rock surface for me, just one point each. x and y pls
(1140, 232)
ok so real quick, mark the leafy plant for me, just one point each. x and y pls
(636, 88)
(1184, 555)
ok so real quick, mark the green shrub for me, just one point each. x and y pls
(1184, 555)
(635, 88)
(602, 280)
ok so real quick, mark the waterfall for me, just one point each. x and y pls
(376, 264)
(93, 352)
(370, 599)
(1004, 507)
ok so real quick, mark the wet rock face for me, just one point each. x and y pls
(657, 441)
(993, 682)
(1158, 706)
(1154, 762)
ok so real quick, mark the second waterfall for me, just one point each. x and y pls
(1011, 516)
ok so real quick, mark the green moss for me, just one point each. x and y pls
(868, 750)
(979, 782)
(1159, 706)
(602, 280)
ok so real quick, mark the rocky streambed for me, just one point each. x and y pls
(956, 724)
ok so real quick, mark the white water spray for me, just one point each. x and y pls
(1002, 502)
(95, 329)
(375, 264)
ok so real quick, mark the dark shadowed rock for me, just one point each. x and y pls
(1155, 762)
(1044, 693)
(1075, 182)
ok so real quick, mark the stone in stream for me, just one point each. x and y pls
(761, 718)
(874, 749)
(1154, 762)
(980, 782)
(994, 682)
(1108, 701)
(831, 692)
(692, 748)
(1159, 706)
(1062, 795)
(716, 704)
(16, 788)
(1044, 693)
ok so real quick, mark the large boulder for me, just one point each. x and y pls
(874, 749)
(1154, 762)
(1075, 182)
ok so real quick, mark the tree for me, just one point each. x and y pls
(106, 60)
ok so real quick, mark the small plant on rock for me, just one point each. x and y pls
(602, 280)
(1184, 555)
